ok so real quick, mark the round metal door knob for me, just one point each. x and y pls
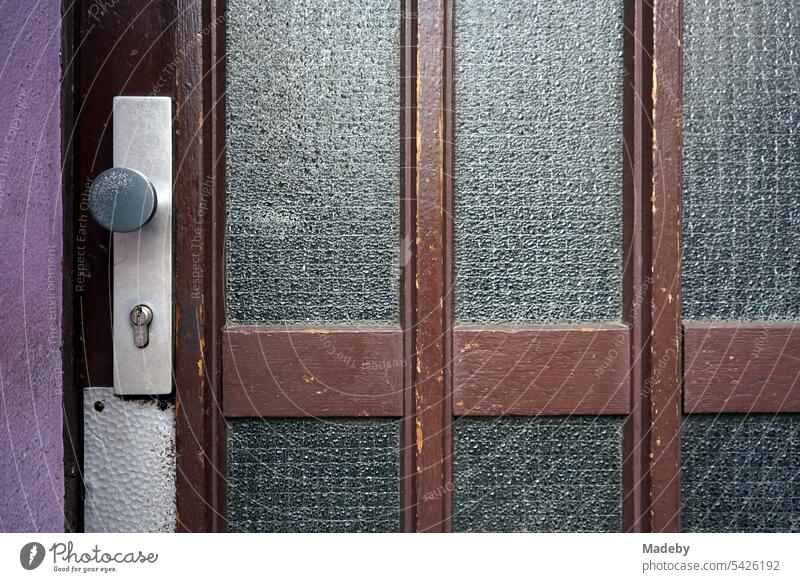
(122, 200)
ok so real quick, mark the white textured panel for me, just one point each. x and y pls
(129, 464)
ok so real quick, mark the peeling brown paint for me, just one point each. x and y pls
(200, 370)
(469, 346)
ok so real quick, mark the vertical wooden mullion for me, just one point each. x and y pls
(448, 301)
(408, 177)
(665, 342)
(636, 289)
(215, 188)
(199, 228)
(192, 493)
(432, 261)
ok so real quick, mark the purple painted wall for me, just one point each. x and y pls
(31, 451)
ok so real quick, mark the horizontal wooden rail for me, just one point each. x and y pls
(301, 371)
(278, 371)
(541, 369)
(741, 367)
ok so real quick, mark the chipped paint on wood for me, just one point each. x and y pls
(469, 346)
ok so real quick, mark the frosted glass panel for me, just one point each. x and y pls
(538, 474)
(313, 160)
(741, 473)
(741, 160)
(538, 168)
(314, 475)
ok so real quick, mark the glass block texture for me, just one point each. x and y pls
(543, 474)
(313, 475)
(741, 159)
(538, 160)
(741, 473)
(313, 160)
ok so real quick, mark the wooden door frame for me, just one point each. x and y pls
(186, 61)
(427, 128)
(201, 428)
(168, 49)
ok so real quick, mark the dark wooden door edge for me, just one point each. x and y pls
(199, 265)
(408, 210)
(72, 400)
(637, 185)
(448, 258)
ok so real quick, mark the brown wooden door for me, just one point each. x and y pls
(469, 373)
(410, 259)
(427, 268)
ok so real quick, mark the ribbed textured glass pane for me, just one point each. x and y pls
(741, 159)
(741, 473)
(313, 160)
(538, 168)
(538, 474)
(313, 475)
